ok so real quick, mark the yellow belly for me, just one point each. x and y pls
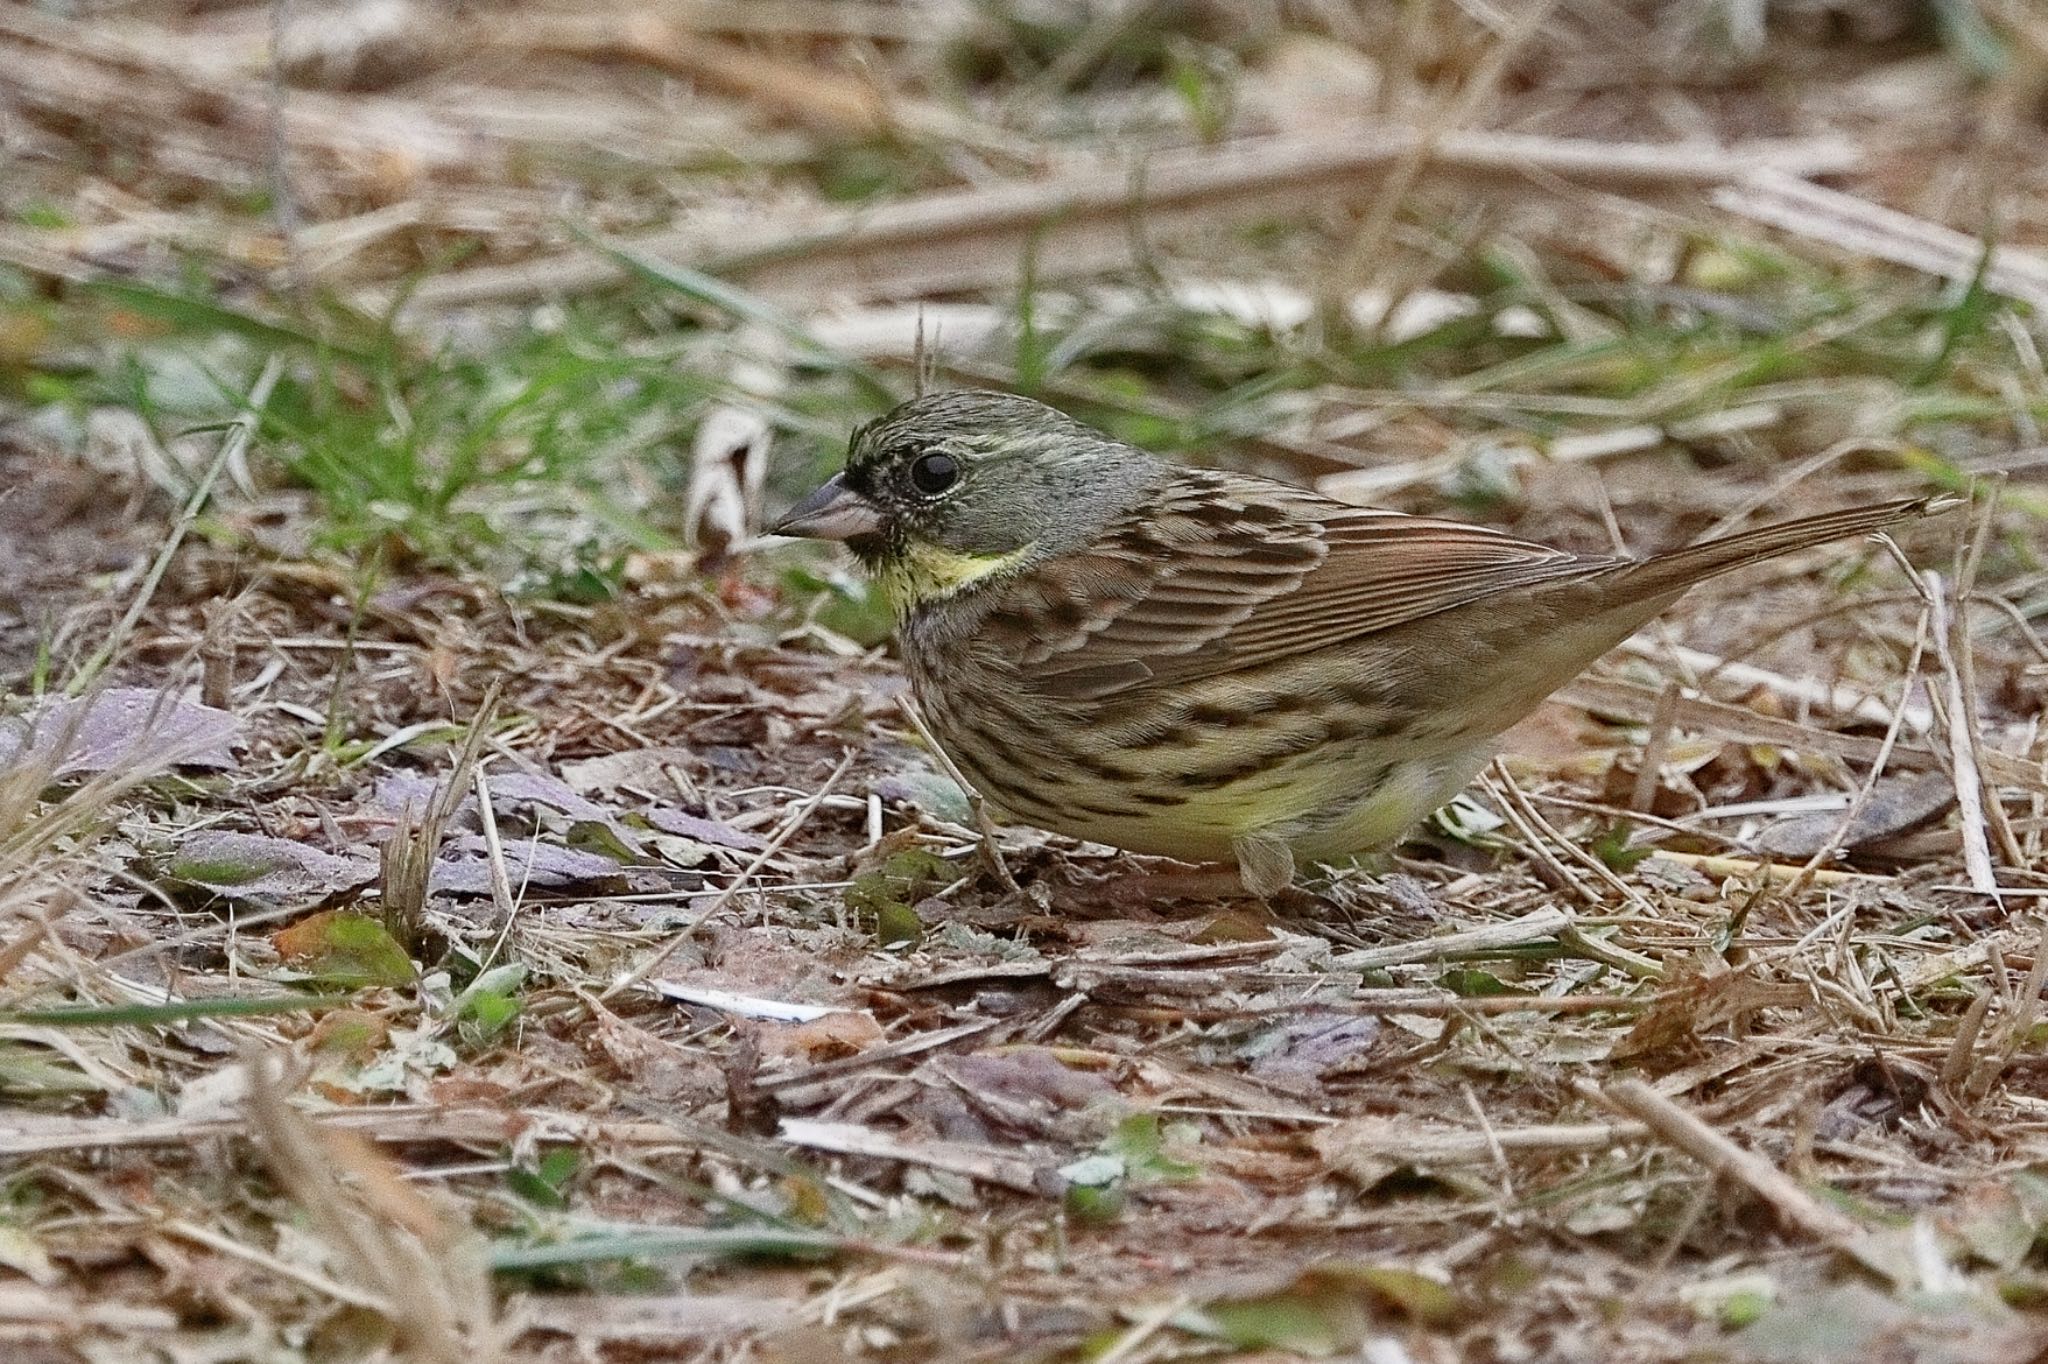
(1279, 758)
(1324, 806)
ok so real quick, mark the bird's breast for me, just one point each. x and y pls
(1182, 771)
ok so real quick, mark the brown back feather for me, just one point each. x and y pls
(1225, 572)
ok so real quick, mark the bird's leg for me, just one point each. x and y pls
(1264, 864)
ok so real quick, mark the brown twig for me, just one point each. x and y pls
(1080, 220)
(1685, 1130)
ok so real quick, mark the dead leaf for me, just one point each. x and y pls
(644, 769)
(1856, 1324)
(256, 867)
(1297, 1053)
(117, 728)
(464, 866)
(1031, 1075)
(929, 791)
(509, 789)
(1691, 1007)
(352, 950)
(1897, 805)
(1329, 1309)
(353, 1035)
(822, 1039)
(702, 830)
(728, 465)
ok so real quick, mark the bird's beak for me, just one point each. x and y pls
(833, 512)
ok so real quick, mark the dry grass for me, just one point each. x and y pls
(688, 1023)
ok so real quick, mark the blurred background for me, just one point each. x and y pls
(563, 284)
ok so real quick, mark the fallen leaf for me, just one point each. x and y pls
(822, 1039)
(703, 830)
(32, 1072)
(929, 791)
(1328, 1310)
(1996, 1223)
(352, 950)
(643, 769)
(256, 867)
(353, 1035)
(728, 465)
(1028, 1075)
(1300, 1050)
(1897, 805)
(21, 1252)
(464, 866)
(118, 728)
(508, 789)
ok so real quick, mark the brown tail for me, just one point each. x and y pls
(1674, 572)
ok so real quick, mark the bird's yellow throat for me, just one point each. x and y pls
(925, 572)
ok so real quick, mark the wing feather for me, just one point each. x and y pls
(1226, 572)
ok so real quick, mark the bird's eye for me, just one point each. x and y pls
(933, 474)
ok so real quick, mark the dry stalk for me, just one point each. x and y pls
(1837, 697)
(1714, 1149)
(1534, 926)
(991, 845)
(1363, 1147)
(1149, 1322)
(431, 1278)
(405, 866)
(2016, 1024)
(494, 848)
(1844, 222)
(217, 656)
(1963, 744)
(1080, 220)
(1962, 1049)
(1970, 558)
(988, 1164)
(1655, 748)
(1540, 834)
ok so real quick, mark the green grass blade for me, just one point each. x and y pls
(734, 301)
(667, 1242)
(203, 315)
(179, 1011)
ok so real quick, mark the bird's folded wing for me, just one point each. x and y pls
(1225, 574)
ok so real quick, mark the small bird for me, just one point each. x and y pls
(1214, 666)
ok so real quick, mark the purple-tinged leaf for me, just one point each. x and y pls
(703, 830)
(550, 792)
(397, 792)
(123, 727)
(464, 866)
(253, 866)
(1298, 1052)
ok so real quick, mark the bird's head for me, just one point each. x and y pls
(952, 489)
